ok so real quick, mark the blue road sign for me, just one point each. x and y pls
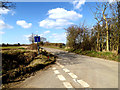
(37, 38)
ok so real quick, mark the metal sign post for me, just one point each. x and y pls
(37, 39)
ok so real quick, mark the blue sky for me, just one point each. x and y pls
(47, 19)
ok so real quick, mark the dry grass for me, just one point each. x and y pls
(14, 73)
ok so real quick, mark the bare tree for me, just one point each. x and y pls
(103, 15)
(31, 38)
(42, 39)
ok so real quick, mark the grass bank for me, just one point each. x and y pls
(17, 64)
(105, 55)
(62, 48)
(11, 47)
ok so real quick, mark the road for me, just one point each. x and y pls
(75, 71)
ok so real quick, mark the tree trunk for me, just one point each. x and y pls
(98, 41)
(110, 41)
(102, 42)
(107, 36)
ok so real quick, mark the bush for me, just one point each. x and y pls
(70, 50)
(78, 51)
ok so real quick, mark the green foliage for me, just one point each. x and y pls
(103, 36)
(105, 55)
(78, 37)
(70, 50)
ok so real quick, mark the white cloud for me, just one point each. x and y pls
(58, 23)
(4, 25)
(46, 32)
(58, 18)
(78, 3)
(4, 10)
(27, 36)
(59, 38)
(24, 24)
(111, 1)
(61, 13)
(41, 35)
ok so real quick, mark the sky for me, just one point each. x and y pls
(46, 19)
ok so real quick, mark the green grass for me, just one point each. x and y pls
(105, 55)
(12, 47)
(63, 48)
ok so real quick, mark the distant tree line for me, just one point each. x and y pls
(60, 45)
(105, 34)
(18, 44)
(48, 44)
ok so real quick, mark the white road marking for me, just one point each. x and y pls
(54, 68)
(72, 75)
(66, 70)
(61, 77)
(67, 85)
(75, 80)
(56, 72)
(60, 65)
(59, 59)
(57, 63)
(83, 83)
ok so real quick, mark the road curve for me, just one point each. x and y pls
(97, 72)
(75, 71)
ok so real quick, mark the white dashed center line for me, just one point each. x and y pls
(54, 68)
(60, 65)
(72, 75)
(56, 72)
(83, 83)
(61, 77)
(66, 70)
(67, 85)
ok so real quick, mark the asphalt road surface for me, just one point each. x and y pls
(75, 71)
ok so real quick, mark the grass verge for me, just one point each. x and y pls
(11, 47)
(63, 48)
(21, 71)
(105, 55)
